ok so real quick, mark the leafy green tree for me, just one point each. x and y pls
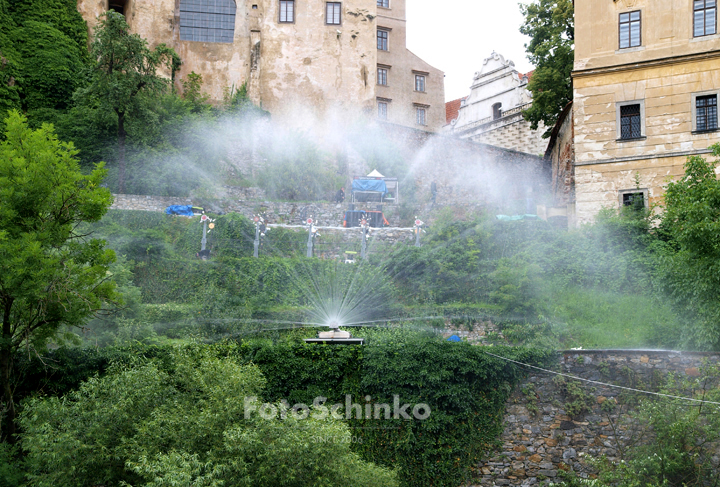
(551, 28)
(9, 93)
(691, 223)
(124, 71)
(193, 94)
(184, 425)
(51, 276)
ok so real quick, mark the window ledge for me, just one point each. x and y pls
(700, 132)
(708, 37)
(635, 139)
(630, 49)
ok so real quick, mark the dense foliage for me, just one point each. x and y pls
(51, 276)
(44, 49)
(690, 225)
(464, 389)
(183, 422)
(551, 28)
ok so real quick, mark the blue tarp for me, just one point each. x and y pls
(454, 338)
(369, 185)
(184, 210)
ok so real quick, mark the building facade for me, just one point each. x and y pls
(410, 92)
(646, 82)
(298, 57)
(492, 113)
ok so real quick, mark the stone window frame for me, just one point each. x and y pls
(383, 41)
(421, 116)
(421, 109)
(383, 112)
(338, 5)
(629, 22)
(645, 192)
(704, 10)
(618, 126)
(693, 110)
(386, 69)
(420, 82)
(280, 11)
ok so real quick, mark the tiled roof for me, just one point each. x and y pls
(451, 110)
(528, 74)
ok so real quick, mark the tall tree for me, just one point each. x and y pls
(691, 223)
(551, 27)
(50, 275)
(124, 71)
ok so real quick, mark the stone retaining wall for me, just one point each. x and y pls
(251, 201)
(541, 437)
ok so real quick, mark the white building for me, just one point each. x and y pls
(492, 113)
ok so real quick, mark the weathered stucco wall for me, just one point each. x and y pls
(666, 31)
(299, 71)
(606, 165)
(561, 155)
(308, 66)
(662, 75)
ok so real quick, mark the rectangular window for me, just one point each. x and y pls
(419, 83)
(706, 113)
(383, 3)
(287, 11)
(420, 116)
(382, 110)
(704, 17)
(630, 126)
(333, 13)
(630, 30)
(382, 40)
(635, 201)
(382, 76)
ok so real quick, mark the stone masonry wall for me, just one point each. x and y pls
(251, 201)
(541, 437)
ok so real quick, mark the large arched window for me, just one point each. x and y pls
(207, 20)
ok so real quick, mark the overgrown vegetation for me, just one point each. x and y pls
(151, 392)
(668, 442)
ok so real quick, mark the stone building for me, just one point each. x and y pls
(298, 57)
(410, 92)
(560, 161)
(492, 112)
(646, 82)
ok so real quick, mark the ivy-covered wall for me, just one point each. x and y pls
(464, 388)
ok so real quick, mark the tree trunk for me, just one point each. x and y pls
(121, 152)
(5, 368)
